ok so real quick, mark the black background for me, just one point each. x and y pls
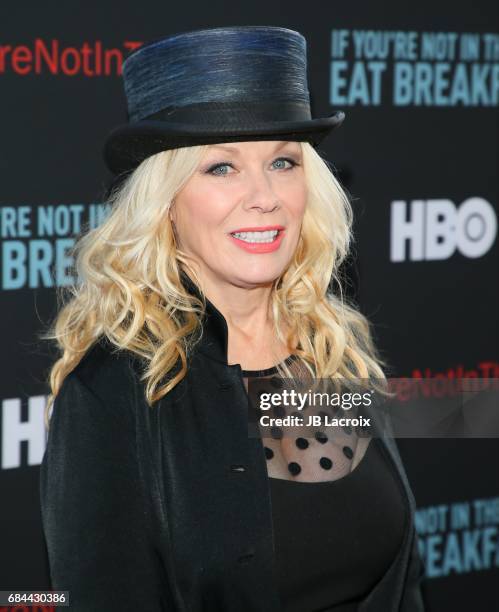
(428, 314)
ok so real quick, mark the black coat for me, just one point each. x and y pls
(150, 509)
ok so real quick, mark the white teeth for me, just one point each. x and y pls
(267, 236)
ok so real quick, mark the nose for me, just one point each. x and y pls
(260, 192)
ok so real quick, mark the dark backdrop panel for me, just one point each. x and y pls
(432, 316)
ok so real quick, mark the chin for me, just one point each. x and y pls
(258, 278)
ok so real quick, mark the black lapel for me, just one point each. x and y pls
(214, 342)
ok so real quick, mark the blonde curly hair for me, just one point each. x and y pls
(129, 288)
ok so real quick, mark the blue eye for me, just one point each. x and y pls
(287, 159)
(212, 169)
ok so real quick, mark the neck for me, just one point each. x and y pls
(251, 340)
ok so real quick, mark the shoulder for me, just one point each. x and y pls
(102, 393)
(93, 416)
(107, 371)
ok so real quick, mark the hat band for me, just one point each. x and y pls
(233, 114)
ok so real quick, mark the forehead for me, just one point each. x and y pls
(264, 146)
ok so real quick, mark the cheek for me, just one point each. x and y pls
(201, 214)
(298, 205)
(295, 193)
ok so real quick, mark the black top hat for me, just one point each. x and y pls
(215, 85)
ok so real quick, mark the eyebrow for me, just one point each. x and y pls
(236, 150)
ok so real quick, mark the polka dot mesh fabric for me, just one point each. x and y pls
(315, 453)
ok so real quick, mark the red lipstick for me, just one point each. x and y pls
(263, 228)
(259, 247)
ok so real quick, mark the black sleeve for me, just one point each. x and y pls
(412, 597)
(96, 521)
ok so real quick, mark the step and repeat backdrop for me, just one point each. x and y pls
(418, 154)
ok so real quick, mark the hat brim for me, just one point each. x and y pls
(128, 145)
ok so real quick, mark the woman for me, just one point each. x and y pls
(213, 267)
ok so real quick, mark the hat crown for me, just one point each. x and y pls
(229, 65)
(226, 84)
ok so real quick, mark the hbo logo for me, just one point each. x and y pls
(435, 229)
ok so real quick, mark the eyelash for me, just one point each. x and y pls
(211, 169)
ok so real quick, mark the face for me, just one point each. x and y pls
(239, 216)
